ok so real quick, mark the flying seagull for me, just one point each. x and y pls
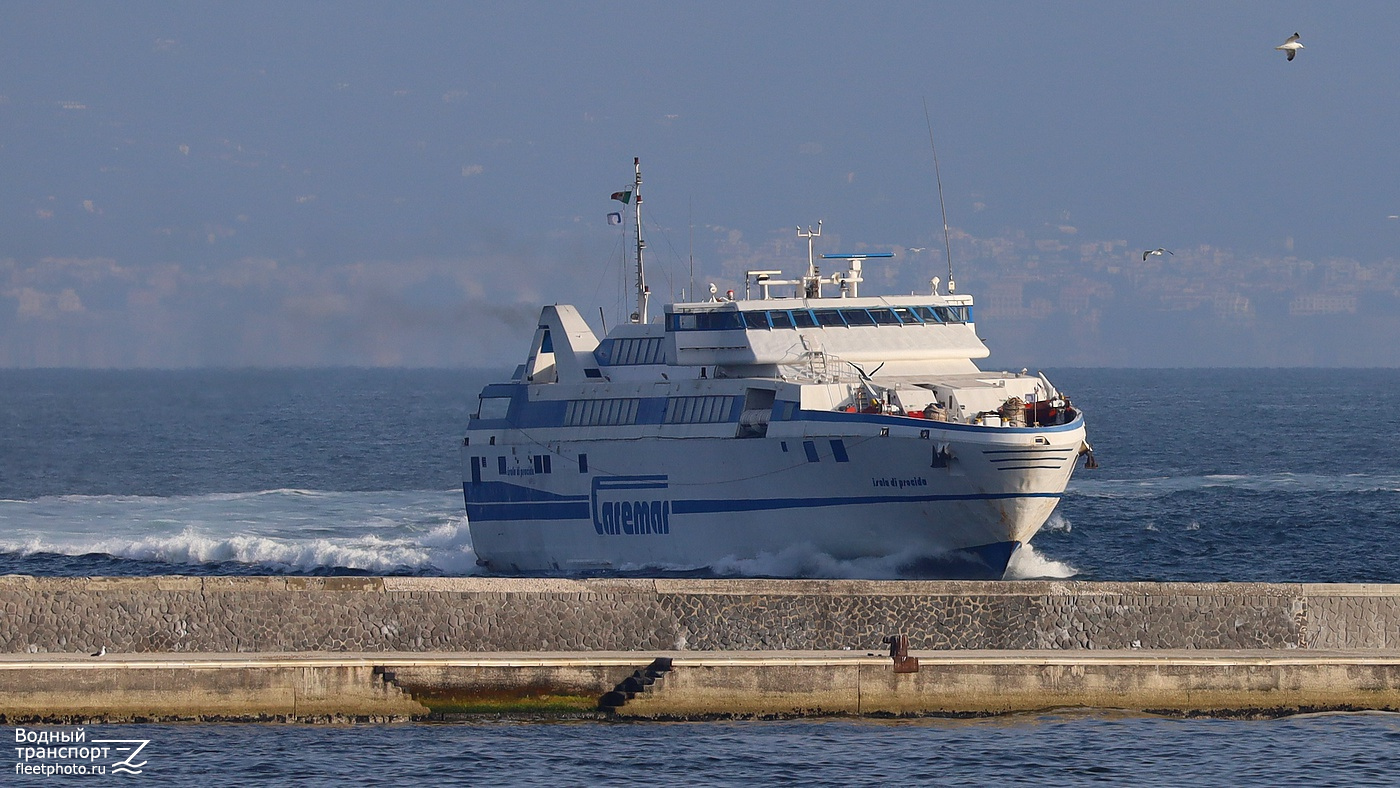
(1158, 251)
(917, 249)
(102, 652)
(1291, 46)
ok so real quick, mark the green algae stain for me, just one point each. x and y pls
(501, 704)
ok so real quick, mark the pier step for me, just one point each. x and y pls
(641, 681)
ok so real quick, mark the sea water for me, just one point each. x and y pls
(1241, 475)
(1244, 475)
(1032, 750)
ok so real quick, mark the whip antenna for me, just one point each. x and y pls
(938, 178)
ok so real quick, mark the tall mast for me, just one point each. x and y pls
(947, 245)
(643, 292)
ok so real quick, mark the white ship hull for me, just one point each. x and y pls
(697, 502)
(733, 429)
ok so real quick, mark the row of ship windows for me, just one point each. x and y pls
(622, 352)
(679, 410)
(698, 410)
(600, 412)
(710, 409)
(811, 318)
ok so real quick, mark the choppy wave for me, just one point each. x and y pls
(285, 529)
(1274, 483)
(1057, 523)
(190, 547)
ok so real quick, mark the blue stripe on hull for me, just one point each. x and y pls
(489, 501)
(516, 506)
(767, 504)
(505, 492)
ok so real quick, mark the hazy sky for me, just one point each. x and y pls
(273, 183)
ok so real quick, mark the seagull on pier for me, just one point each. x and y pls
(1158, 251)
(1291, 46)
(102, 652)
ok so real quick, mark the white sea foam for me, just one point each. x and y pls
(1057, 523)
(805, 560)
(808, 562)
(1027, 564)
(296, 529)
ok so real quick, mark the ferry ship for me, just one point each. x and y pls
(801, 415)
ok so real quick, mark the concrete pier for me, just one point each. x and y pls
(371, 648)
(384, 687)
(415, 614)
(1179, 683)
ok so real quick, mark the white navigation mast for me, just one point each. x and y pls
(643, 292)
(812, 282)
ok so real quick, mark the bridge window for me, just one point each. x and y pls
(857, 317)
(952, 314)
(802, 318)
(943, 314)
(721, 321)
(884, 317)
(906, 315)
(704, 321)
(829, 317)
(780, 319)
(756, 319)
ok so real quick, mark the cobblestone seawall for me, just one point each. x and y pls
(264, 614)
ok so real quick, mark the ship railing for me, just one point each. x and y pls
(818, 366)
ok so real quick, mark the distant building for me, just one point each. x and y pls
(1322, 304)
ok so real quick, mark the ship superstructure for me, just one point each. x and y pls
(803, 413)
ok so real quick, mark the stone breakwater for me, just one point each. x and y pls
(393, 614)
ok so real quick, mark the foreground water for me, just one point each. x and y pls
(1066, 749)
